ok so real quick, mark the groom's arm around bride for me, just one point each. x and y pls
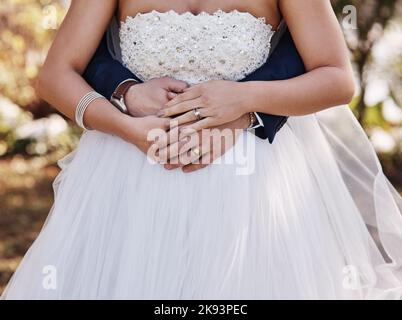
(105, 74)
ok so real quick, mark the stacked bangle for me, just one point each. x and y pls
(83, 105)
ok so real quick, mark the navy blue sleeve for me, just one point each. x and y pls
(104, 73)
(284, 63)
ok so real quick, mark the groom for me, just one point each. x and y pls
(109, 77)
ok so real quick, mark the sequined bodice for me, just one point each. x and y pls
(194, 48)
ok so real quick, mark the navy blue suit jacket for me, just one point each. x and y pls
(104, 74)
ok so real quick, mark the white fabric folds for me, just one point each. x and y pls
(314, 218)
(295, 228)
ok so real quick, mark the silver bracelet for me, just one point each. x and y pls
(83, 105)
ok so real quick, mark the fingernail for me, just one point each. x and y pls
(161, 113)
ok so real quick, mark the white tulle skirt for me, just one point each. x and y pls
(308, 217)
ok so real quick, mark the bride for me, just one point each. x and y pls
(311, 216)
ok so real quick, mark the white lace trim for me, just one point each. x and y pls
(195, 48)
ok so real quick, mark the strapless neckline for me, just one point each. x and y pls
(197, 15)
(194, 47)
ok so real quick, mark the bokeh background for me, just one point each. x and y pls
(33, 136)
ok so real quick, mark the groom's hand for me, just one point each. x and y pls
(148, 98)
(180, 154)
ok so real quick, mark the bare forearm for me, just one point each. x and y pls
(312, 92)
(60, 81)
(63, 88)
(329, 78)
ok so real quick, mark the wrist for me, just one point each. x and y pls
(261, 96)
(94, 117)
(134, 91)
(247, 101)
(129, 129)
(138, 102)
(118, 98)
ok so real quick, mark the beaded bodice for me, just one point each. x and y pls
(194, 48)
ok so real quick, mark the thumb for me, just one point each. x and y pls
(171, 95)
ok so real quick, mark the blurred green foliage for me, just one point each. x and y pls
(27, 28)
(373, 18)
(33, 137)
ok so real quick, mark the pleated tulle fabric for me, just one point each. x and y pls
(313, 218)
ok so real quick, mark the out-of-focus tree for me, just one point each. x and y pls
(372, 19)
(28, 125)
(375, 21)
(27, 28)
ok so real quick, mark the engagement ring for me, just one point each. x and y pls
(197, 113)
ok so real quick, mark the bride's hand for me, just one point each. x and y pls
(180, 153)
(218, 102)
(144, 132)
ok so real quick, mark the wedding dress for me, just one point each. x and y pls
(311, 216)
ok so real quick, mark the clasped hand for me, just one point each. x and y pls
(217, 102)
(220, 106)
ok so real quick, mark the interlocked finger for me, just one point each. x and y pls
(204, 162)
(191, 156)
(173, 150)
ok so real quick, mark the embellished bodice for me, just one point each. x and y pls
(194, 48)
